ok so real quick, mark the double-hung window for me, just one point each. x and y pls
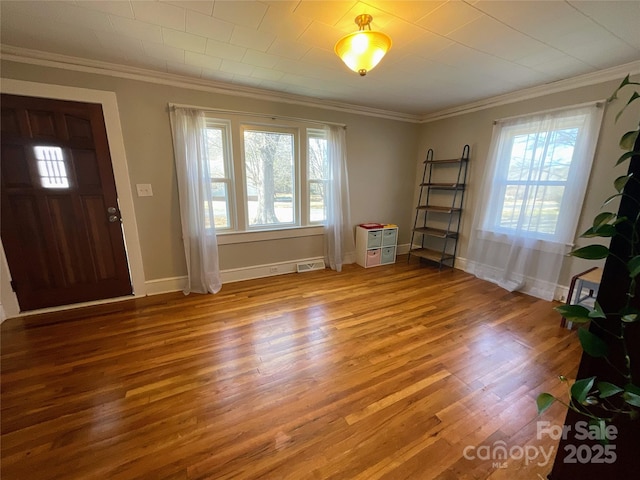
(269, 161)
(266, 175)
(220, 171)
(541, 165)
(317, 175)
(527, 212)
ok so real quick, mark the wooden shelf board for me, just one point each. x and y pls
(435, 232)
(449, 160)
(444, 186)
(435, 208)
(428, 254)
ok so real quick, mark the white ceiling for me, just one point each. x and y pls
(444, 54)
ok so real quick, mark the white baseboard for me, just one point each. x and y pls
(402, 249)
(177, 284)
(560, 292)
(165, 285)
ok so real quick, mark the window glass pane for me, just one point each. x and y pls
(269, 172)
(542, 155)
(220, 204)
(317, 205)
(317, 158)
(317, 169)
(51, 167)
(215, 144)
(537, 207)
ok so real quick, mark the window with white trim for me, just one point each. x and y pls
(541, 165)
(317, 175)
(266, 175)
(220, 170)
(269, 161)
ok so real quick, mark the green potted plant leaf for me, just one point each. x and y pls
(616, 397)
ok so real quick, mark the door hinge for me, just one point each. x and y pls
(13, 285)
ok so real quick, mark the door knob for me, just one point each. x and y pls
(113, 218)
(111, 210)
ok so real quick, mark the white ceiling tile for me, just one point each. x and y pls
(290, 66)
(321, 57)
(285, 6)
(184, 69)
(285, 49)
(224, 50)
(490, 36)
(403, 33)
(410, 11)
(246, 14)
(136, 29)
(564, 67)
(128, 45)
(158, 13)
(200, 60)
(164, 52)
(152, 63)
(251, 38)
(209, 27)
(448, 17)
(539, 20)
(427, 45)
(283, 24)
(607, 53)
(260, 59)
(266, 74)
(621, 18)
(217, 75)
(205, 7)
(87, 18)
(321, 12)
(237, 68)
(543, 56)
(321, 35)
(46, 10)
(122, 8)
(347, 22)
(183, 40)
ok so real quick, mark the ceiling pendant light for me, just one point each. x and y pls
(362, 50)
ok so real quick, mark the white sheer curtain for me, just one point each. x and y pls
(196, 209)
(532, 193)
(338, 231)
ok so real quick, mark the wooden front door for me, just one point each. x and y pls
(60, 222)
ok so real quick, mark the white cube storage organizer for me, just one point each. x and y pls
(376, 246)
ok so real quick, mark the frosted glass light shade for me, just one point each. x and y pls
(363, 50)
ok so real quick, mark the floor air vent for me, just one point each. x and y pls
(308, 266)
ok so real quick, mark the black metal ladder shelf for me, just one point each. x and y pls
(436, 227)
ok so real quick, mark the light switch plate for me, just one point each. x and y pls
(144, 190)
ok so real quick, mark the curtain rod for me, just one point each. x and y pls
(259, 115)
(597, 103)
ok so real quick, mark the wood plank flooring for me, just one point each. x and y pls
(393, 372)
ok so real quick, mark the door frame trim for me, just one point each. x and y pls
(9, 306)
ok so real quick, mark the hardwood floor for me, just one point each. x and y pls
(394, 372)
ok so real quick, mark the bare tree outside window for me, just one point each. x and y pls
(537, 170)
(218, 170)
(317, 175)
(269, 170)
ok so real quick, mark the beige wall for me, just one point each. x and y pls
(384, 160)
(447, 136)
(380, 156)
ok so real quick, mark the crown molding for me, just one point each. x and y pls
(36, 57)
(600, 76)
(54, 60)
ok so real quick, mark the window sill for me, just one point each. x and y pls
(230, 238)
